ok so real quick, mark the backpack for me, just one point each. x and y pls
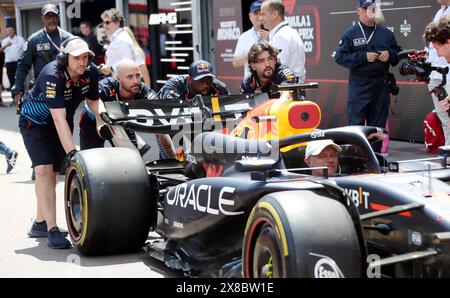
(434, 134)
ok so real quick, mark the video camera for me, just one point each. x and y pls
(417, 65)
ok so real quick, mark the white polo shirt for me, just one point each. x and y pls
(12, 53)
(285, 38)
(245, 42)
(432, 54)
(120, 47)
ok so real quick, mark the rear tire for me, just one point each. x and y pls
(301, 234)
(108, 201)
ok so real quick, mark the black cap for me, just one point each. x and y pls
(200, 69)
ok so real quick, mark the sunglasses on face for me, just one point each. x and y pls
(107, 22)
(50, 16)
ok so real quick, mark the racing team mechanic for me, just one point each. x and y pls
(40, 49)
(367, 49)
(438, 33)
(200, 80)
(265, 70)
(125, 86)
(46, 125)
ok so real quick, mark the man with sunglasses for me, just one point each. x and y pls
(266, 70)
(40, 49)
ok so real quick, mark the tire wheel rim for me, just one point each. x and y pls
(75, 208)
(267, 260)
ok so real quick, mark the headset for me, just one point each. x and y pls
(62, 57)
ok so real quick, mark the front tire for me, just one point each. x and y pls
(301, 234)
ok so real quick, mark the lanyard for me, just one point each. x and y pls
(256, 34)
(364, 34)
(279, 28)
(60, 39)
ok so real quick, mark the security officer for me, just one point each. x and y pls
(40, 49)
(46, 125)
(201, 80)
(266, 70)
(367, 49)
(125, 86)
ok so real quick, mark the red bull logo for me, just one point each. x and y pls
(202, 67)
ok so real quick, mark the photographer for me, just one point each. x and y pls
(435, 78)
(368, 49)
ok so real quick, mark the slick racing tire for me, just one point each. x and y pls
(300, 234)
(107, 201)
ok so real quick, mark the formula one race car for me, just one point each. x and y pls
(233, 208)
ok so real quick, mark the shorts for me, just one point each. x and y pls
(42, 144)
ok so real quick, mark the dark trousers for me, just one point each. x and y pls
(368, 102)
(11, 68)
(2, 62)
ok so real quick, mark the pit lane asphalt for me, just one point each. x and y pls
(21, 256)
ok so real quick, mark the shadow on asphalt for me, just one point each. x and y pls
(61, 179)
(43, 253)
(24, 182)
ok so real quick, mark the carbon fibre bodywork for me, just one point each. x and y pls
(400, 221)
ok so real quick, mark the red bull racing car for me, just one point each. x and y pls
(243, 203)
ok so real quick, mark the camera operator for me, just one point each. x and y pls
(435, 78)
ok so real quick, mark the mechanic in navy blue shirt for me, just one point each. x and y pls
(266, 70)
(126, 86)
(40, 49)
(367, 49)
(201, 80)
(46, 124)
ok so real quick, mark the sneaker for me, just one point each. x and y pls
(56, 239)
(39, 230)
(11, 161)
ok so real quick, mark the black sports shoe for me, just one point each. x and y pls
(11, 161)
(39, 230)
(57, 240)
